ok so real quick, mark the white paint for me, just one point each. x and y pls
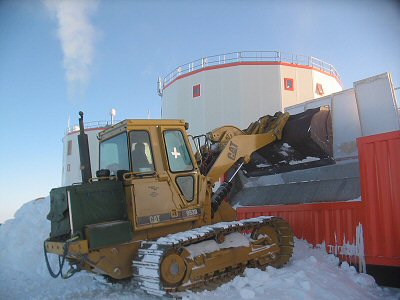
(175, 153)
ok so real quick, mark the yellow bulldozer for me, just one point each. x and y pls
(151, 214)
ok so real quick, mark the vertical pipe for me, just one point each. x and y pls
(84, 154)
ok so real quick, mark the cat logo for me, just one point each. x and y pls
(154, 219)
(232, 151)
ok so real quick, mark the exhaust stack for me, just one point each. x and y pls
(84, 154)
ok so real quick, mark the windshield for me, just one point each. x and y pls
(114, 154)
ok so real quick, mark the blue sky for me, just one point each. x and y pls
(128, 44)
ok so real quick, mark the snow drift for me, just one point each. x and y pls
(311, 274)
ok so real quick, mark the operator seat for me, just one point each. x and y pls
(139, 159)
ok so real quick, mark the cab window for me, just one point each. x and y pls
(177, 152)
(114, 154)
(142, 157)
(186, 186)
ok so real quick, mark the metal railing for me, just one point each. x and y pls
(89, 125)
(249, 56)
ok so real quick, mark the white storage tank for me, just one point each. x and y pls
(71, 172)
(238, 88)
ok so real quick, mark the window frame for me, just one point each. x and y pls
(166, 152)
(285, 83)
(69, 148)
(319, 89)
(196, 90)
(127, 145)
(180, 189)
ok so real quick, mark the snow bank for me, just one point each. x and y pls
(23, 271)
(312, 274)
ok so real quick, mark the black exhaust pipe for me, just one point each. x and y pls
(84, 154)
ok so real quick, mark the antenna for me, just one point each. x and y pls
(159, 87)
(113, 112)
(148, 114)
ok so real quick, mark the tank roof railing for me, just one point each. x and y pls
(90, 125)
(250, 56)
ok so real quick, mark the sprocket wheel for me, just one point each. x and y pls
(172, 269)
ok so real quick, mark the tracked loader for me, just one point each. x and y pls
(150, 212)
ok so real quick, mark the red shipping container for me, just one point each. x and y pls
(366, 231)
(379, 157)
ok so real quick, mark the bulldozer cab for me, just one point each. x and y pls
(160, 175)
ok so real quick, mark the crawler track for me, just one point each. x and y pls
(207, 256)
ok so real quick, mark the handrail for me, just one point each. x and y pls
(250, 56)
(89, 125)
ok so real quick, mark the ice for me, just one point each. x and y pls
(311, 274)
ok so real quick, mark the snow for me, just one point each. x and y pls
(358, 199)
(231, 240)
(263, 165)
(307, 159)
(311, 274)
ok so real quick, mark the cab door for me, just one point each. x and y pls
(181, 165)
(159, 199)
(152, 198)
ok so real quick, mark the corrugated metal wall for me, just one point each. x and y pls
(334, 223)
(337, 223)
(379, 157)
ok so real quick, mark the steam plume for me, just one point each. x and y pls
(77, 36)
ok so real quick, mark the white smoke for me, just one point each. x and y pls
(77, 36)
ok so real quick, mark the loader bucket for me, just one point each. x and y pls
(306, 142)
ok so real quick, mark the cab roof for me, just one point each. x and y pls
(131, 124)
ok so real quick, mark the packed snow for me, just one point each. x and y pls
(311, 274)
